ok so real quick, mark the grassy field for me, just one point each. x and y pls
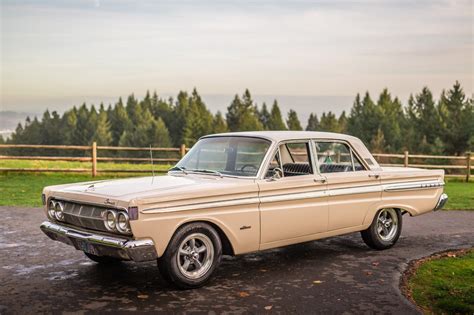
(445, 285)
(24, 189)
(102, 166)
(461, 195)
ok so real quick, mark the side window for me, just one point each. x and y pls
(296, 159)
(336, 157)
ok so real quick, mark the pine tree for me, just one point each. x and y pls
(364, 120)
(180, 111)
(293, 122)
(119, 121)
(342, 122)
(329, 122)
(160, 136)
(264, 116)
(457, 120)
(423, 122)
(162, 108)
(131, 108)
(354, 122)
(391, 120)
(276, 120)
(241, 115)
(313, 123)
(69, 124)
(102, 134)
(219, 124)
(378, 142)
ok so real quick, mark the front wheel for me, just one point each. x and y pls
(193, 254)
(385, 230)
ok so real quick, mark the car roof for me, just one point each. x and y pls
(286, 135)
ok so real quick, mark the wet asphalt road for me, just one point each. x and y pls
(335, 275)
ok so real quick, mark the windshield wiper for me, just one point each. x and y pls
(178, 168)
(207, 171)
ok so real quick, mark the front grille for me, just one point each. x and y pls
(84, 215)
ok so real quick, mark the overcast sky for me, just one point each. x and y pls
(57, 53)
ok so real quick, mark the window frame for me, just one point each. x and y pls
(351, 149)
(311, 151)
(263, 164)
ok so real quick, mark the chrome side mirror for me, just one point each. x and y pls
(277, 173)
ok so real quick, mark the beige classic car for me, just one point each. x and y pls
(236, 193)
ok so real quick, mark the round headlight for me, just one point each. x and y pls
(52, 209)
(110, 220)
(58, 211)
(123, 225)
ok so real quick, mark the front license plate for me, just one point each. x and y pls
(87, 247)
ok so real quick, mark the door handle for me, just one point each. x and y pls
(320, 180)
(376, 176)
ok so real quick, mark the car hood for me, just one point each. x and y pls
(162, 191)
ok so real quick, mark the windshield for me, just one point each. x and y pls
(235, 156)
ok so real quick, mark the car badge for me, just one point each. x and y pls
(109, 202)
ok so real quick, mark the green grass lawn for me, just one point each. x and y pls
(445, 285)
(461, 195)
(102, 166)
(24, 189)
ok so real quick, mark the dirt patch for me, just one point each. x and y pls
(415, 264)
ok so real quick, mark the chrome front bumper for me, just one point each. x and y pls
(441, 202)
(101, 245)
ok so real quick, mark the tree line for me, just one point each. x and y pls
(423, 125)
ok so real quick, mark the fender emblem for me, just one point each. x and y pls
(109, 202)
(245, 227)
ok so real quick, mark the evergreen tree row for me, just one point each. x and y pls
(424, 125)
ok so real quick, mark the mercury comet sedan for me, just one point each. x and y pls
(237, 193)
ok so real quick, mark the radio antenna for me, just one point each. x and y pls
(152, 166)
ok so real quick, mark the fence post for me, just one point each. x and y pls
(468, 166)
(182, 150)
(94, 159)
(405, 159)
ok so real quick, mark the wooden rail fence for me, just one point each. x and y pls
(94, 158)
(462, 163)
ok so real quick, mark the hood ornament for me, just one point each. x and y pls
(90, 188)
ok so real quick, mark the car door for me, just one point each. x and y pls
(352, 188)
(293, 199)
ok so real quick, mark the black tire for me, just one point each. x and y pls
(168, 262)
(105, 260)
(375, 239)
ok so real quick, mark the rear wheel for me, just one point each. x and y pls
(193, 254)
(103, 259)
(385, 230)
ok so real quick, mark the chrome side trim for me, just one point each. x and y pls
(354, 190)
(205, 205)
(299, 196)
(101, 245)
(295, 196)
(441, 202)
(432, 184)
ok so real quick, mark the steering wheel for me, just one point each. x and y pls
(254, 168)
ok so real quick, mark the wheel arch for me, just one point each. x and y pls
(227, 247)
(403, 209)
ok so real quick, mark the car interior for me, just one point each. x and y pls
(294, 159)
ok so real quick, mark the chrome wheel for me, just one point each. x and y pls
(195, 255)
(387, 224)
